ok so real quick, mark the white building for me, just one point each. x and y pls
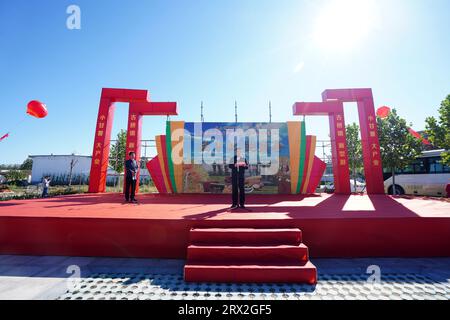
(59, 166)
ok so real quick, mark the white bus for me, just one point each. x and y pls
(426, 176)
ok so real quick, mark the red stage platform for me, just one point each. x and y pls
(332, 225)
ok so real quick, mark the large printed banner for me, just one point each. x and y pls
(194, 157)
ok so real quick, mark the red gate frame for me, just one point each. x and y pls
(339, 154)
(332, 100)
(139, 105)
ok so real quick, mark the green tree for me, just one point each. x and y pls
(27, 164)
(354, 150)
(10, 166)
(14, 176)
(398, 147)
(438, 130)
(117, 152)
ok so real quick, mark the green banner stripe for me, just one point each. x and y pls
(302, 156)
(169, 156)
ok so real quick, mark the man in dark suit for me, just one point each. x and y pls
(238, 167)
(131, 170)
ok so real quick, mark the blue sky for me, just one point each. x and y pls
(215, 51)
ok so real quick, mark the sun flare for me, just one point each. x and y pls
(343, 24)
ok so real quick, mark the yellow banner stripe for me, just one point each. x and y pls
(294, 133)
(309, 163)
(177, 140)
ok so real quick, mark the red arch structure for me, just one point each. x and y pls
(139, 106)
(335, 112)
(332, 105)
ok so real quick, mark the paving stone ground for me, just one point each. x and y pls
(74, 278)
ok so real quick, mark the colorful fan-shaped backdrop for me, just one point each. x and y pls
(180, 167)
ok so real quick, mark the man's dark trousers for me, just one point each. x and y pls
(237, 181)
(130, 183)
(131, 169)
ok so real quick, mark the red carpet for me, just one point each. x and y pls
(333, 226)
(248, 255)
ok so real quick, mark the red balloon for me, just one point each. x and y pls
(37, 109)
(383, 112)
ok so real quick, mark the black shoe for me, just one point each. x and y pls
(134, 201)
(234, 206)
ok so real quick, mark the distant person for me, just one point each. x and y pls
(131, 170)
(45, 185)
(238, 167)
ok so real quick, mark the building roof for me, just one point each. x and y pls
(432, 153)
(59, 155)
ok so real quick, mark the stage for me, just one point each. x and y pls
(158, 227)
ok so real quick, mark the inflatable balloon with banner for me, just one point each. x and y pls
(383, 112)
(35, 109)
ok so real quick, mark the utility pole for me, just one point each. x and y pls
(323, 151)
(270, 111)
(72, 164)
(202, 119)
(235, 111)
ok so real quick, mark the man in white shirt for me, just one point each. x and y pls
(45, 185)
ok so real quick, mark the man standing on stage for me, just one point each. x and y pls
(240, 164)
(131, 170)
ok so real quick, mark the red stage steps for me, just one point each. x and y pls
(248, 255)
